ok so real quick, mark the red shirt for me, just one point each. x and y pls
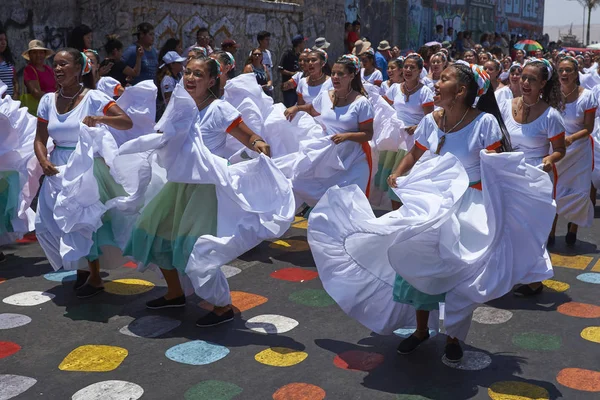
(352, 38)
(45, 77)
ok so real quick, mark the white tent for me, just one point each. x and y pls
(595, 46)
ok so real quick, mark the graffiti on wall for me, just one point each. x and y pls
(451, 17)
(351, 10)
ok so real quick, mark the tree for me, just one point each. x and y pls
(591, 5)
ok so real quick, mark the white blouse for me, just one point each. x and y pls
(411, 111)
(308, 93)
(215, 121)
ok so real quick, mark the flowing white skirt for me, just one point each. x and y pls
(447, 238)
(573, 185)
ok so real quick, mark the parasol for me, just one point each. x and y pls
(528, 45)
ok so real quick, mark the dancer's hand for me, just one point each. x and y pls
(262, 148)
(391, 180)
(411, 129)
(568, 140)
(291, 112)
(105, 69)
(547, 164)
(339, 138)
(92, 121)
(48, 168)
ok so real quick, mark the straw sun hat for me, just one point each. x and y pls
(36, 45)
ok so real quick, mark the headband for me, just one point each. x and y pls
(231, 58)
(415, 55)
(368, 51)
(515, 65)
(307, 50)
(200, 49)
(91, 51)
(572, 59)
(219, 67)
(543, 61)
(354, 60)
(488, 54)
(481, 77)
(440, 54)
(497, 62)
(87, 64)
(323, 52)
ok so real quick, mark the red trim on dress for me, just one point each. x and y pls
(420, 146)
(234, 124)
(494, 146)
(367, 149)
(40, 119)
(593, 161)
(477, 186)
(591, 110)
(555, 174)
(117, 88)
(428, 104)
(109, 105)
(366, 121)
(557, 136)
(378, 82)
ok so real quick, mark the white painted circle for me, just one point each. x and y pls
(272, 324)
(491, 316)
(9, 321)
(472, 361)
(32, 298)
(13, 385)
(110, 390)
(150, 326)
(230, 271)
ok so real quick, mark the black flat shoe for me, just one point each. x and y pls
(161, 302)
(453, 352)
(213, 319)
(2, 257)
(571, 238)
(551, 241)
(410, 344)
(526, 291)
(82, 277)
(88, 290)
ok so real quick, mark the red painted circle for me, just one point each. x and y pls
(299, 391)
(581, 310)
(579, 379)
(294, 274)
(8, 349)
(2, 280)
(130, 264)
(358, 360)
(28, 238)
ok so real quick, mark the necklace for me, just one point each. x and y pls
(529, 105)
(318, 79)
(408, 92)
(566, 96)
(457, 124)
(61, 93)
(344, 97)
(71, 99)
(204, 101)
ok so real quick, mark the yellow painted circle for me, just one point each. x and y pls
(557, 286)
(94, 358)
(508, 390)
(291, 245)
(591, 333)
(128, 287)
(280, 357)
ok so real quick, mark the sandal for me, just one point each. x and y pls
(526, 291)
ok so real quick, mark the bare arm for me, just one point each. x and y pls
(33, 88)
(41, 152)
(291, 112)
(115, 117)
(269, 80)
(16, 88)
(365, 134)
(247, 138)
(247, 69)
(588, 128)
(558, 152)
(406, 164)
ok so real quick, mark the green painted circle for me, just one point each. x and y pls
(213, 390)
(312, 298)
(411, 397)
(537, 341)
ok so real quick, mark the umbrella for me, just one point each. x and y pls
(528, 45)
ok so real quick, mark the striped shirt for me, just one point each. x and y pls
(7, 72)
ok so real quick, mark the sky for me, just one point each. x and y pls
(563, 12)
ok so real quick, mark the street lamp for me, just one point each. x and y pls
(582, 23)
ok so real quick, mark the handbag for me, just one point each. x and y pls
(28, 100)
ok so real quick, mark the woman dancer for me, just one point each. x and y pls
(227, 63)
(484, 57)
(412, 101)
(171, 224)
(471, 57)
(316, 81)
(395, 74)
(514, 85)
(109, 86)
(303, 64)
(575, 169)
(437, 63)
(368, 72)
(493, 69)
(535, 125)
(59, 118)
(520, 57)
(443, 243)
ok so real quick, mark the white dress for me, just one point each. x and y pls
(308, 93)
(503, 94)
(375, 78)
(446, 238)
(575, 169)
(430, 83)
(411, 111)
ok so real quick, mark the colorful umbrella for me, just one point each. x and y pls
(528, 45)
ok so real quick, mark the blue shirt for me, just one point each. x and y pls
(381, 64)
(149, 63)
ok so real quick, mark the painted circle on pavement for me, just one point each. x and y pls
(290, 245)
(590, 277)
(409, 330)
(358, 360)
(96, 312)
(591, 333)
(299, 391)
(491, 316)
(270, 323)
(94, 358)
(113, 390)
(294, 274)
(61, 276)
(580, 379)
(471, 361)
(512, 390)
(197, 352)
(28, 299)
(10, 321)
(580, 310)
(230, 271)
(557, 286)
(312, 298)
(8, 349)
(280, 357)
(537, 341)
(213, 390)
(128, 287)
(150, 326)
(14, 385)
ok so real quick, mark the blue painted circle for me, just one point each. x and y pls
(406, 332)
(197, 352)
(589, 277)
(61, 276)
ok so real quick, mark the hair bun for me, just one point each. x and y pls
(112, 36)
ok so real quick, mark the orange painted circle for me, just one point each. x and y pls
(358, 360)
(2, 280)
(299, 391)
(580, 310)
(580, 379)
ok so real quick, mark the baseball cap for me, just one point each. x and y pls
(229, 43)
(172, 57)
(298, 39)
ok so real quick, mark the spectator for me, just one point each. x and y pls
(539, 53)
(80, 38)
(497, 52)
(8, 74)
(382, 56)
(145, 40)
(438, 36)
(321, 43)
(255, 65)
(202, 40)
(172, 44)
(118, 69)
(396, 52)
(468, 42)
(360, 46)
(288, 66)
(484, 41)
(449, 35)
(169, 74)
(264, 41)
(353, 36)
(520, 56)
(38, 77)
(459, 45)
(347, 30)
